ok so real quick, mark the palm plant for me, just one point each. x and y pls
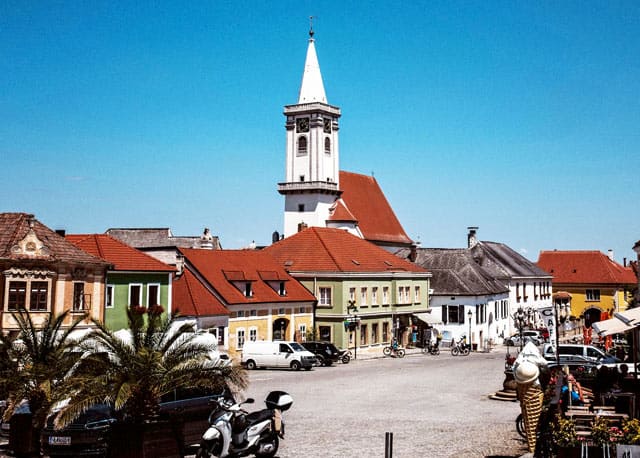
(132, 374)
(35, 365)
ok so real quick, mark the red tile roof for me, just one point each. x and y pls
(244, 265)
(192, 298)
(15, 226)
(585, 267)
(319, 249)
(339, 212)
(122, 256)
(367, 203)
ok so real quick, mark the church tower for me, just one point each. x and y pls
(311, 184)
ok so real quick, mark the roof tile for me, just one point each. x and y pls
(585, 267)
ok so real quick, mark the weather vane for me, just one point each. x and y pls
(311, 26)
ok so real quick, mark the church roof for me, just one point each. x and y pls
(367, 203)
(312, 88)
(122, 256)
(503, 262)
(320, 249)
(340, 212)
(585, 267)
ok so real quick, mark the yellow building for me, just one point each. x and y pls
(598, 285)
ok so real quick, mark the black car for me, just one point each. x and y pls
(325, 352)
(88, 435)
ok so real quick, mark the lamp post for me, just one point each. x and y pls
(351, 307)
(469, 314)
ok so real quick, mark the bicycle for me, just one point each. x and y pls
(432, 349)
(461, 347)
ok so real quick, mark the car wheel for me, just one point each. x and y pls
(320, 361)
(509, 343)
(251, 365)
(346, 359)
(295, 365)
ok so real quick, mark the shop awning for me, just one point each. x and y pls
(427, 318)
(609, 327)
(629, 317)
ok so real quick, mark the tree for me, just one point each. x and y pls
(132, 374)
(35, 365)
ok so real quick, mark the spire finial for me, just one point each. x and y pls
(311, 26)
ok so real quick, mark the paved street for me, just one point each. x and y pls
(436, 406)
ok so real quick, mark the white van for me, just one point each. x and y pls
(588, 352)
(265, 353)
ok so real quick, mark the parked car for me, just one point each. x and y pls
(527, 336)
(88, 435)
(589, 352)
(326, 352)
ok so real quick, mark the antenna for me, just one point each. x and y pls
(311, 26)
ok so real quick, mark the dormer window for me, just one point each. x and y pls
(281, 289)
(248, 292)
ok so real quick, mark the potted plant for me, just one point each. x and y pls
(155, 357)
(565, 437)
(33, 372)
(630, 440)
(603, 436)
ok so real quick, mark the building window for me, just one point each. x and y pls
(153, 294)
(453, 314)
(403, 295)
(524, 291)
(248, 292)
(363, 296)
(39, 296)
(385, 331)
(416, 294)
(218, 333)
(385, 296)
(325, 333)
(325, 296)
(327, 145)
(518, 292)
(78, 297)
(374, 333)
(135, 294)
(17, 295)
(302, 330)
(374, 295)
(281, 289)
(253, 313)
(253, 334)
(240, 314)
(352, 294)
(239, 338)
(281, 311)
(109, 296)
(363, 334)
(301, 208)
(302, 144)
(593, 294)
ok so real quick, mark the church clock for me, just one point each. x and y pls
(302, 124)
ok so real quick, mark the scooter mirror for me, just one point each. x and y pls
(249, 401)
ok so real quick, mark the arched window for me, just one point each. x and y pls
(327, 145)
(302, 144)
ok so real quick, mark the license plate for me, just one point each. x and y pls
(59, 440)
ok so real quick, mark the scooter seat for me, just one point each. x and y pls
(261, 415)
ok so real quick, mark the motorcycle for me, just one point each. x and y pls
(431, 348)
(234, 432)
(345, 356)
(393, 351)
(461, 347)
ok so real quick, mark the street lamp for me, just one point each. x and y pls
(523, 318)
(353, 325)
(469, 314)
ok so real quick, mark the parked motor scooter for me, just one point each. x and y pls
(234, 432)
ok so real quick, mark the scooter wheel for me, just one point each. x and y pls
(400, 353)
(268, 448)
(346, 359)
(455, 351)
(386, 351)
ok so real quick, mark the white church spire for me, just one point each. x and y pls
(312, 89)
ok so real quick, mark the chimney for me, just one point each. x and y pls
(302, 226)
(610, 254)
(61, 232)
(179, 265)
(413, 255)
(275, 237)
(624, 262)
(471, 237)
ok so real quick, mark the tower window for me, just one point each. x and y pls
(327, 145)
(300, 207)
(302, 144)
(301, 177)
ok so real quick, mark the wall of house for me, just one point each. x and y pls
(115, 317)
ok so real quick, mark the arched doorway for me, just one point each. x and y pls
(591, 316)
(279, 329)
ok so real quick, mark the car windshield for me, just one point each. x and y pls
(296, 346)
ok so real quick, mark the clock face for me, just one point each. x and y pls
(327, 126)
(302, 124)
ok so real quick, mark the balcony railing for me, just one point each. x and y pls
(302, 186)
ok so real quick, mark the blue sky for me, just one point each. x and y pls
(522, 118)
